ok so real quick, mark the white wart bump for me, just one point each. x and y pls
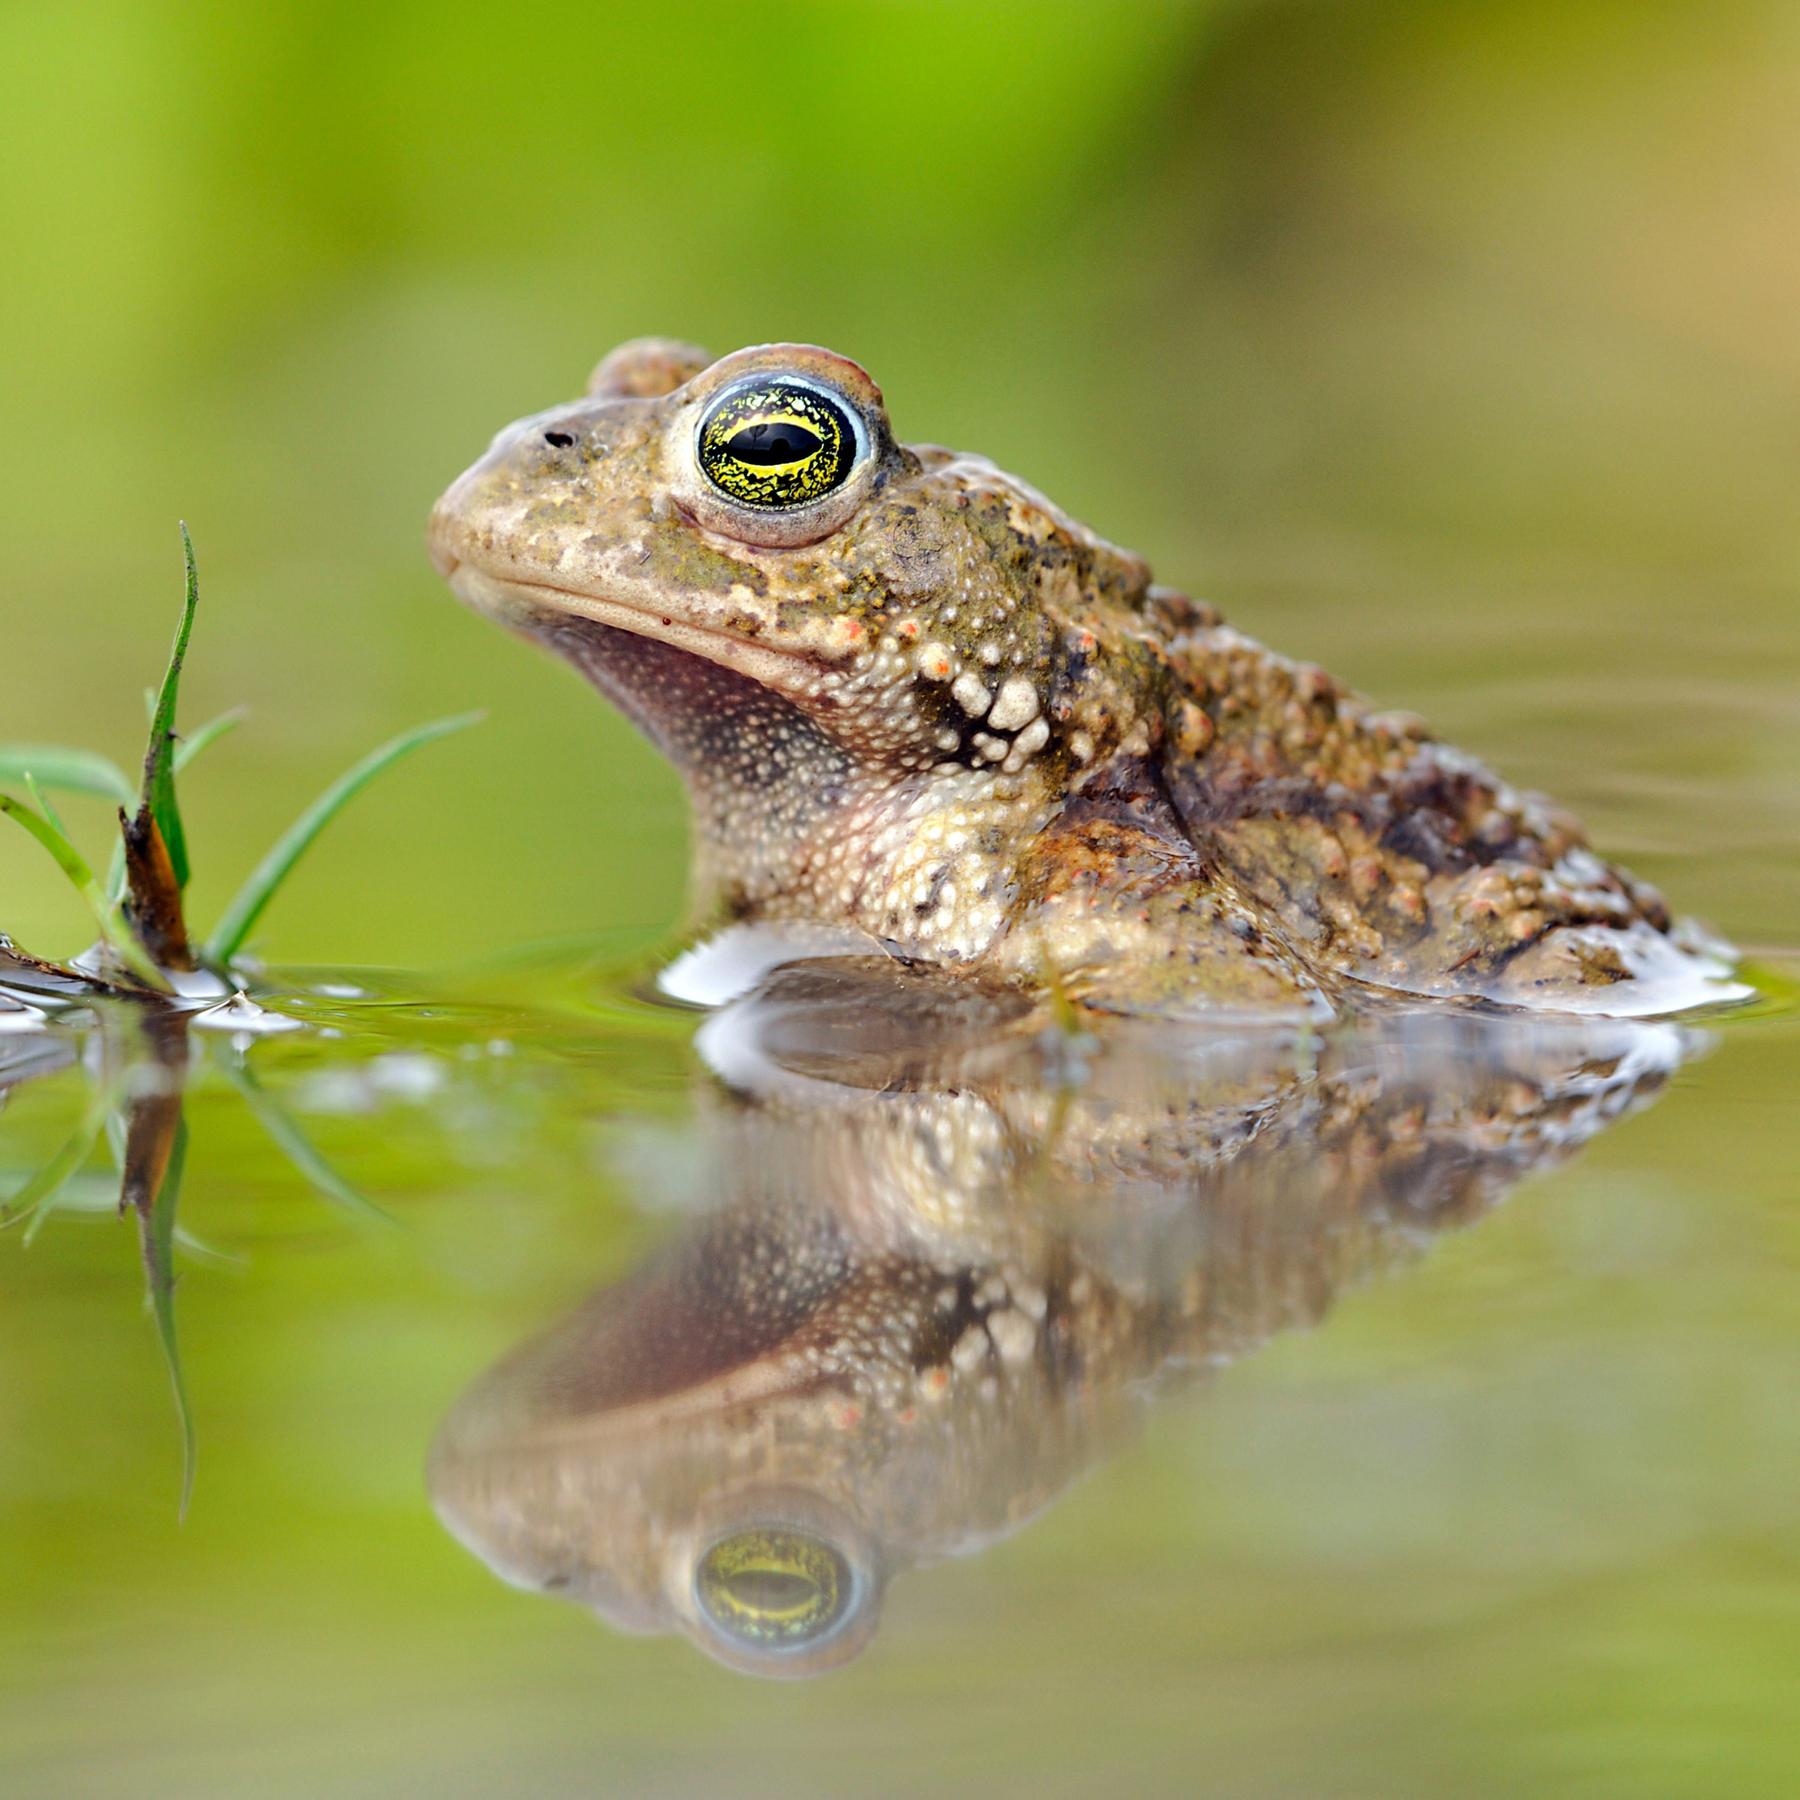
(1015, 705)
(971, 694)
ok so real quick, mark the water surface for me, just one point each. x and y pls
(1405, 1406)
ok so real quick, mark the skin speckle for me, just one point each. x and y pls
(935, 662)
(1142, 773)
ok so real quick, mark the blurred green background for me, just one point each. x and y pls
(1452, 345)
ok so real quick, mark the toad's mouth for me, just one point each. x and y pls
(702, 696)
(535, 608)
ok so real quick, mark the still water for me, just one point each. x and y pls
(1404, 1407)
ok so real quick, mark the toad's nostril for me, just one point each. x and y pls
(561, 439)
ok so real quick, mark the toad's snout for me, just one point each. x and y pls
(484, 506)
(443, 558)
(536, 492)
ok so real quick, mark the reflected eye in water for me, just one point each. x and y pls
(777, 444)
(774, 1589)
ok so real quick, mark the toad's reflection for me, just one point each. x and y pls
(948, 1263)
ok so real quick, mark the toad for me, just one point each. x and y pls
(914, 701)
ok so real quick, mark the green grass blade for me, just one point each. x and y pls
(36, 1200)
(288, 1138)
(158, 1240)
(42, 804)
(106, 912)
(201, 1251)
(67, 858)
(209, 733)
(115, 874)
(256, 893)
(159, 758)
(68, 771)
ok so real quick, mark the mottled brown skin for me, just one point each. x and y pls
(933, 1283)
(932, 708)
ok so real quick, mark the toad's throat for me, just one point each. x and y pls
(692, 690)
(761, 774)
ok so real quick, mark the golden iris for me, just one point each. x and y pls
(776, 444)
(772, 1587)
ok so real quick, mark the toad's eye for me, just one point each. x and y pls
(777, 444)
(774, 1589)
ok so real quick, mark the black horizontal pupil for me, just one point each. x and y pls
(769, 445)
(773, 1590)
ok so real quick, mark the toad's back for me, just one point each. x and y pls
(1388, 856)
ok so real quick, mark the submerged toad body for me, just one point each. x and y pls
(912, 699)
